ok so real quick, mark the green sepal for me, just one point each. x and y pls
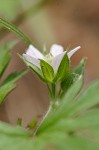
(63, 69)
(33, 67)
(47, 71)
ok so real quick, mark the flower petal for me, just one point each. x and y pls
(57, 60)
(73, 51)
(33, 52)
(56, 49)
(32, 60)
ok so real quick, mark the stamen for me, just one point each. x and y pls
(49, 57)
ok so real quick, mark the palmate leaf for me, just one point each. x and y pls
(9, 84)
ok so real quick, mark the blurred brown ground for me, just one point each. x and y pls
(65, 22)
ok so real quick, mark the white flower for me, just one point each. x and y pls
(54, 57)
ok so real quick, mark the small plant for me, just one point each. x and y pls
(72, 119)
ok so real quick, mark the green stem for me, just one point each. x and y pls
(43, 119)
(53, 92)
(14, 29)
(50, 92)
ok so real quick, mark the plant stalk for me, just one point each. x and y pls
(14, 29)
(43, 119)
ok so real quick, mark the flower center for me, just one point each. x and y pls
(49, 58)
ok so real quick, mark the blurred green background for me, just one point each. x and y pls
(66, 22)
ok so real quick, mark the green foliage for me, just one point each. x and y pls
(5, 55)
(73, 122)
(63, 108)
(14, 29)
(74, 125)
(73, 76)
(9, 83)
(80, 68)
